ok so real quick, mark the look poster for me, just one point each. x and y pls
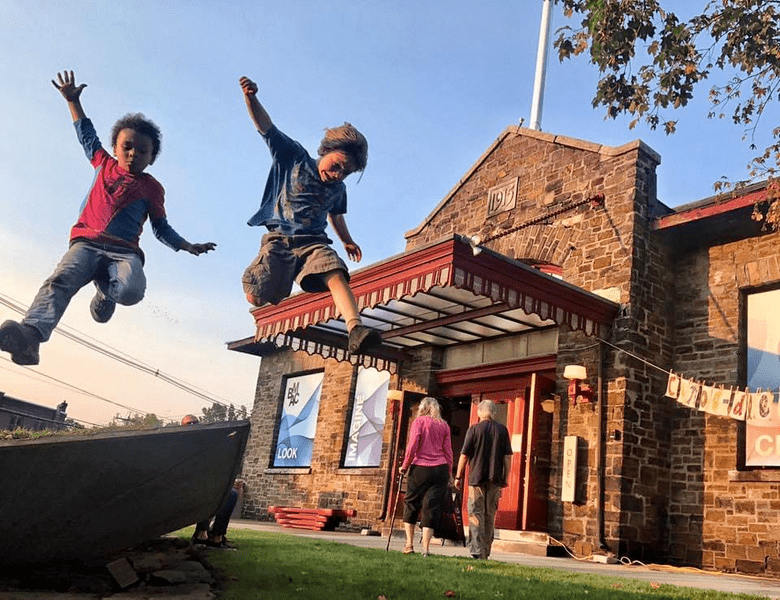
(298, 421)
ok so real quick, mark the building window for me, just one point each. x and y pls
(364, 440)
(763, 373)
(298, 420)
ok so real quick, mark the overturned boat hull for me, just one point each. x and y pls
(82, 496)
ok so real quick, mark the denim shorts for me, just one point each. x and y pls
(285, 259)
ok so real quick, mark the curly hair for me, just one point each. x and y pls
(347, 139)
(138, 122)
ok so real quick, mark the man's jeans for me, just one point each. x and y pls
(119, 276)
(482, 507)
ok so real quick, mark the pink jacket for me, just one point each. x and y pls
(429, 443)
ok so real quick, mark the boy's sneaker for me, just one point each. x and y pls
(362, 338)
(101, 308)
(21, 341)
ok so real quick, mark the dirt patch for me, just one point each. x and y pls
(167, 567)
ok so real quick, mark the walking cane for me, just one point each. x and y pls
(392, 516)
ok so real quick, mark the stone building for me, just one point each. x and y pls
(549, 252)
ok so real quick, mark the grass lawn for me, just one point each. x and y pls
(271, 566)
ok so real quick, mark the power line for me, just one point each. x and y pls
(83, 391)
(119, 356)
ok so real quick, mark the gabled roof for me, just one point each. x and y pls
(551, 138)
(441, 294)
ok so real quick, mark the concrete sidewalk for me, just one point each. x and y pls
(681, 577)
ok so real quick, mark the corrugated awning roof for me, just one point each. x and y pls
(441, 295)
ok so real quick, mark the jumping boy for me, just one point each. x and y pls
(104, 241)
(301, 196)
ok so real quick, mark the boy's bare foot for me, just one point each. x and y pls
(21, 341)
(362, 338)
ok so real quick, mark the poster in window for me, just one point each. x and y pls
(364, 443)
(763, 373)
(298, 421)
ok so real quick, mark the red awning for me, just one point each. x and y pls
(442, 295)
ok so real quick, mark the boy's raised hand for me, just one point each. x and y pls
(248, 86)
(67, 86)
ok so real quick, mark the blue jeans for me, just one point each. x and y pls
(118, 276)
(221, 518)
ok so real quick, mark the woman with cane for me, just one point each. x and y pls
(428, 461)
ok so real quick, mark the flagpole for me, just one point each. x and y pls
(541, 66)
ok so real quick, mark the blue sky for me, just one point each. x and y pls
(430, 84)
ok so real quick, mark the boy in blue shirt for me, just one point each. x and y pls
(301, 196)
(104, 241)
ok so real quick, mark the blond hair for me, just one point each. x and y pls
(429, 407)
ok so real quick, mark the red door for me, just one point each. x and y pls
(510, 405)
(537, 457)
(523, 503)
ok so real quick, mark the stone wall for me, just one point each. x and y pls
(325, 484)
(607, 249)
(722, 518)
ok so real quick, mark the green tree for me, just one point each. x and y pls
(135, 420)
(222, 412)
(650, 61)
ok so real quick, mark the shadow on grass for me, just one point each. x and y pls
(273, 566)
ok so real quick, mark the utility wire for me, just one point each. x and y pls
(83, 391)
(106, 350)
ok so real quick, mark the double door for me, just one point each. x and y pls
(523, 504)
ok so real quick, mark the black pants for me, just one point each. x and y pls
(425, 493)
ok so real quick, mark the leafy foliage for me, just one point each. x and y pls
(136, 421)
(222, 412)
(650, 61)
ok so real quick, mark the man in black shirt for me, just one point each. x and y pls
(488, 452)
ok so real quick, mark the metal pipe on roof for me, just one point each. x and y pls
(541, 66)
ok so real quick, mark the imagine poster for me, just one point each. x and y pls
(364, 444)
(298, 422)
(763, 372)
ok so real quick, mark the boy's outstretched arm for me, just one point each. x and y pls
(72, 93)
(340, 227)
(197, 249)
(256, 111)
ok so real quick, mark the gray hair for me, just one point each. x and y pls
(430, 407)
(486, 408)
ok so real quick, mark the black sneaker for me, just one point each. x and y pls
(21, 341)
(363, 338)
(101, 308)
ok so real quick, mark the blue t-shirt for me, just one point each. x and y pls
(295, 200)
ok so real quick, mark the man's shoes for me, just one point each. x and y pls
(362, 338)
(101, 308)
(21, 341)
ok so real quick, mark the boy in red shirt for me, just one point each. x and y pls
(104, 241)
